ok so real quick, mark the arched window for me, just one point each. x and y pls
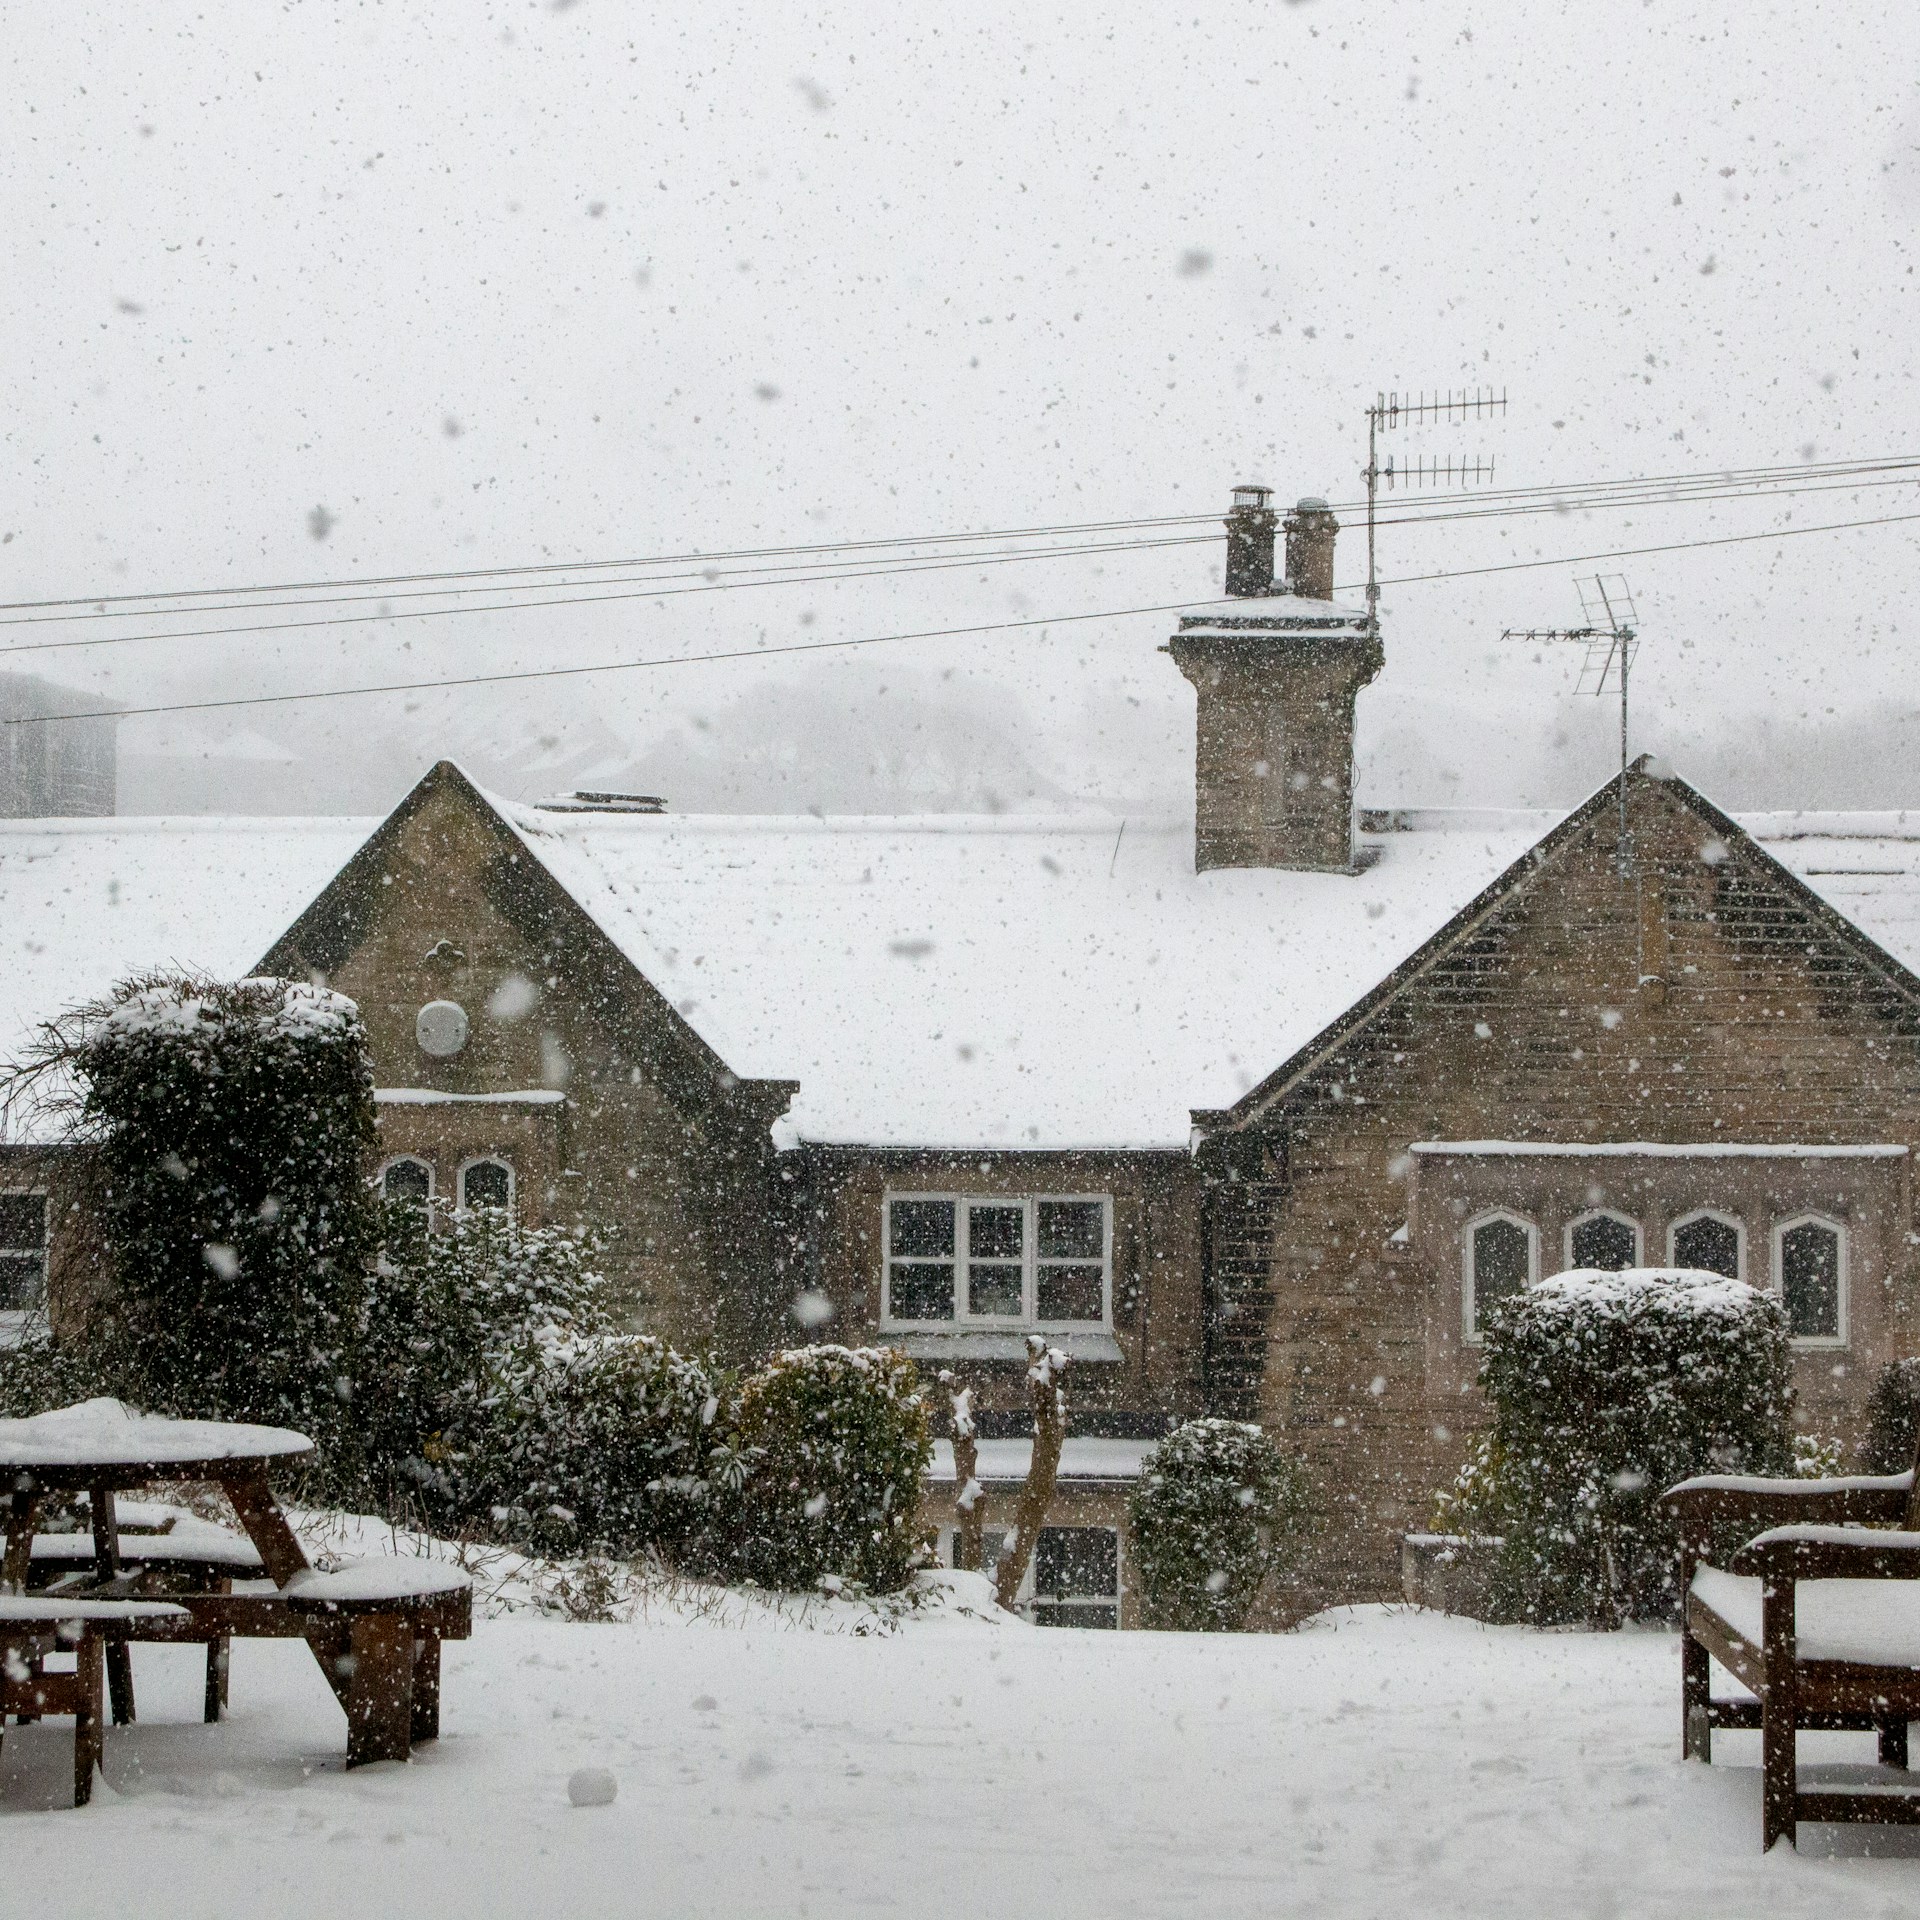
(1502, 1254)
(1810, 1274)
(1710, 1242)
(1609, 1241)
(407, 1179)
(486, 1183)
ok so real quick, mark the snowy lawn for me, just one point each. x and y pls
(1378, 1762)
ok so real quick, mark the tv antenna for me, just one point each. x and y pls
(1393, 410)
(1611, 638)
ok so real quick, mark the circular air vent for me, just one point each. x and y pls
(441, 1028)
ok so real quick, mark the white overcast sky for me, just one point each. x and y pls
(494, 284)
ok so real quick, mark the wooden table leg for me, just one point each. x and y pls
(87, 1738)
(280, 1550)
(1893, 1743)
(426, 1687)
(380, 1691)
(106, 1564)
(23, 1505)
(1779, 1718)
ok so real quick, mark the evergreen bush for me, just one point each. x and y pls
(36, 1375)
(1893, 1417)
(836, 1443)
(1218, 1509)
(232, 1124)
(1606, 1389)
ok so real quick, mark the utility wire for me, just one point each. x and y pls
(882, 639)
(1568, 491)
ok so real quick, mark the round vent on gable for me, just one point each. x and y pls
(441, 1028)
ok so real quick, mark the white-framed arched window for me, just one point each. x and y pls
(407, 1177)
(1710, 1242)
(1810, 1276)
(1499, 1254)
(487, 1182)
(1603, 1239)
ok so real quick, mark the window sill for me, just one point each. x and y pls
(1091, 1346)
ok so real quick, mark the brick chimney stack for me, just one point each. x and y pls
(1276, 669)
(1310, 530)
(1250, 543)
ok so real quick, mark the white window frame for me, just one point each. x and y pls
(15, 1321)
(1732, 1220)
(1778, 1274)
(1470, 1332)
(405, 1160)
(1606, 1213)
(489, 1160)
(1030, 1263)
(1023, 1600)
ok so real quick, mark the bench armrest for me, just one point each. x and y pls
(1829, 1553)
(1749, 1500)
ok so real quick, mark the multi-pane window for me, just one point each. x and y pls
(486, 1183)
(1811, 1258)
(409, 1180)
(967, 1260)
(1604, 1240)
(1073, 1579)
(1500, 1255)
(1709, 1243)
(23, 1251)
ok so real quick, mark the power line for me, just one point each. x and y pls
(789, 576)
(1569, 491)
(883, 639)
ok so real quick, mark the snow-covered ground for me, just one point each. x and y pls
(1378, 1762)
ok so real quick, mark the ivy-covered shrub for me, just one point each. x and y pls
(836, 1441)
(1893, 1417)
(1606, 1389)
(1218, 1509)
(453, 1295)
(232, 1125)
(609, 1443)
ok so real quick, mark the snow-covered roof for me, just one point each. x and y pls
(934, 981)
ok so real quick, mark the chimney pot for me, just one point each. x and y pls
(1250, 529)
(1310, 529)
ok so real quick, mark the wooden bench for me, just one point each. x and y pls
(1817, 1615)
(32, 1626)
(378, 1625)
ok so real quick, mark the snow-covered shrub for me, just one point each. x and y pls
(609, 1443)
(836, 1441)
(1606, 1389)
(1218, 1509)
(1818, 1456)
(231, 1124)
(453, 1295)
(1893, 1417)
(36, 1375)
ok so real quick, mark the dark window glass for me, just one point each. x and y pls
(486, 1184)
(23, 1251)
(920, 1290)
(1713, 1246)
(1072, 1229)
(1076, 1562)
(995, 1290)
(1071, 1293)
(996, 1274)
(1606, 1243)
(1080, 1616)
(996, 1233)
(1810, 1280)
(409, 1180)
(922, 1227)
(1502, 1263)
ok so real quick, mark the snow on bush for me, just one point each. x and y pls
(1893, 1417)
(1606, 1389)
(231, 1124)
(837, 1442)
(1218, 1509)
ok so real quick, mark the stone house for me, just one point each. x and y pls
(1251, 1113)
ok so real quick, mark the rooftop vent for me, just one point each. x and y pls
(583, 801)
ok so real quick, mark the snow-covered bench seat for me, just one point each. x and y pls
(388, 1617)
(32, 1626)
(1817, 1615)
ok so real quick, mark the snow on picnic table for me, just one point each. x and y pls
(1378, 1762)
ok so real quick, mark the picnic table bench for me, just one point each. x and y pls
(358, 1620)
(1817, 1615)
(33, 1626)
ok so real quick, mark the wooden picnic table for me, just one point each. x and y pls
(377, 1641)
